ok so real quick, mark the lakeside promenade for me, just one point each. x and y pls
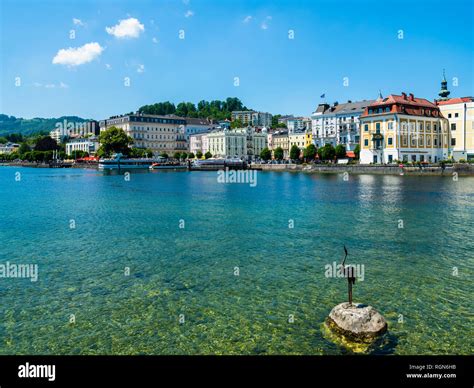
(461, 169)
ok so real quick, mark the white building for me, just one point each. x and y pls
(90, 145)
(243, 143)
(338, 124)
(158, 133)
(460, 114)
(253, 118)
(199, 143)
(8, 148)
(298, 124)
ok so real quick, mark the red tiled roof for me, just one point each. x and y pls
(406, 104)
(400, 99)
(456, 100)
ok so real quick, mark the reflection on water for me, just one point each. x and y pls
(135, 224)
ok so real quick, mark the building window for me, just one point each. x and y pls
(456, 115)
(453, 141)
(390, 125)
(377, 127)
(453, 126)
(390, 141)
(366, 127)
(366, 142)
(449, 115)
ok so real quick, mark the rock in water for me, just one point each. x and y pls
(359, 322)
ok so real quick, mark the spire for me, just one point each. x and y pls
(444, 93)
(380, 97)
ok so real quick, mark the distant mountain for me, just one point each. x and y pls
(12, 124)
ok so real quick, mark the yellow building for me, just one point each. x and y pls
(403, 128)
(460, 115)
(281, 139)
(297, 138)
(308, 138)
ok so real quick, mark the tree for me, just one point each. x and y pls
(191, 155)
(357, 151)
(177, 155)
(266, 154)
(310, 152)
(340, 151)
(208, 155)
(164, 155)
(114, 140)
(278, 153)
(199, 154)
(184, 155)
(46, 143)
(295, 152)
(237, 124)
(24, 148)
(327, 152)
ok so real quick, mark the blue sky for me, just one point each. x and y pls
(223, 40)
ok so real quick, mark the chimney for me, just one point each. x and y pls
(412, 97)
(404, 95)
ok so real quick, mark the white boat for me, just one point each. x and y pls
(166, 166)
(213, 163)
(117, 162)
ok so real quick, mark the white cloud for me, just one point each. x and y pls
(141, 68)
(77, 22)
(108, 66)
(62, 85)
(185, 2)
(188, 14)
(127, 28)
(37, 84)
(154, 40)
(50, 86)
(78, 56)
(265, 23)
(247, 19)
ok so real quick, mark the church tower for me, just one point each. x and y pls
(444, 93)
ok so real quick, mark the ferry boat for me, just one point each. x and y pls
(218, 163)
(118, 162)
(166, 166)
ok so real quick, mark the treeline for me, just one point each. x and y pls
(11, 124)
(216, 109)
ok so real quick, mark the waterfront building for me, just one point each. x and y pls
(308, 137)
(404, 128)
(158, 133)
(297, 138)
(338, 124)
(281, 139)
(253, 118)
(199, 142)
(8, 148)
(89, 145)
(245, 143)
(460, 115)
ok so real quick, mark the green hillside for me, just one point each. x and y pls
(12, 124)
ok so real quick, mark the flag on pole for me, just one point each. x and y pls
(323, 95)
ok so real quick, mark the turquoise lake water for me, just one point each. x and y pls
(190, 272)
